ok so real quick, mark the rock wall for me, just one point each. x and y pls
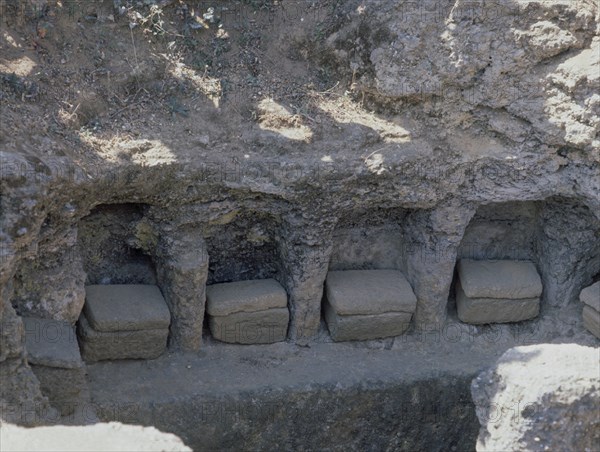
(490, 147)
(522, 405)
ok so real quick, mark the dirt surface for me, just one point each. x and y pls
(176, 84)
(334, 396)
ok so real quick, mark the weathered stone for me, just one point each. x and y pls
(494, 310)
(51, 343)
(64, 387)
(365, 292)
(365, 327)
(182, 270)
(112, 436)
(62, 270)
(133, 344)
(126, 307)
(21, 399)
(568, 249)
(591, 296)
(516, 123)
(305, 268)
(538, 398)
(591, 320)
(248, 312)
(258, 327)
(244, 296)
(434, 237)
(368, 304)
(499, 279)
(54, 356)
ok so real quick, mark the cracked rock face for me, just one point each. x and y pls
(478, 138)
(540, 397)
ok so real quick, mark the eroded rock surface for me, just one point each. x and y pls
(540, 397)
(447, 129)
(112, 436)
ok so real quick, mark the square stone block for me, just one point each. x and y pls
(365, 327)
(591, 296)
(260, 327)
(126, 307)
(248, 312)
(244, 296)
(501, 279)
(53, 353)
(591, 320)
(51, 343)
(368, 304)
(364, 292)
(494, 310)
(133, 344)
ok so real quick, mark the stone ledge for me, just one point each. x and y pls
(234, 397)
(126, 307)
(502, 279)
(494, 310)
(244, 296)
(365, 327)
(260, 327)
(366, 292)
(51, 343)
(137, 344)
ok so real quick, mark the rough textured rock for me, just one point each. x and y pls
(53, 354)
(126, 344)
(494, 310)
(256, 327)
(182, 269)
(540, 397)
(63, 271)
(111, 436)
(365, 327)
(21, 399)
(456, 130)
(248, 312)
(65, 387)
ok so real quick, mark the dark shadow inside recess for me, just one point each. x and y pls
(499, 231)
(108, 240)
(245, 248)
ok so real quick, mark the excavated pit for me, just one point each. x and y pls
(246, 248)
